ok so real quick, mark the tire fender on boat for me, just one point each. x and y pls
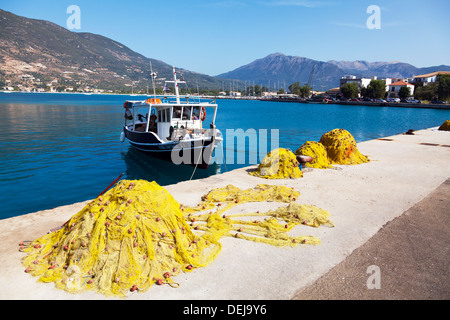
(122, 136)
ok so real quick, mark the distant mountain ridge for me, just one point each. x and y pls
(280, 68)
(45, 50)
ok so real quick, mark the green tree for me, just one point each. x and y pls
(302, 91)
(257, 90)
(428, 92)
(350, 90)
(404, 92)
(376, 89)
(363, 91)
(305, 91)
(443, 89)
(295, 88)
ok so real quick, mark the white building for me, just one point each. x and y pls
(269, 94)
(27, 77)
(361, 82)
(364, 82)
(429, 77)
(394, 88)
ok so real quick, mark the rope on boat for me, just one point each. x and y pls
(196, 164)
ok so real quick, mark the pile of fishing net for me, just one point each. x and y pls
(445, 126)
(317, 151)
(279, 164)
(137, 235)
(341, 148)
(335, 147)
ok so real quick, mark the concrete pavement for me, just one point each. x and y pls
(361, 199)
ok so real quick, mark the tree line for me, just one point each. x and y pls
(377, 90)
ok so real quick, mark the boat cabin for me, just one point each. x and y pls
(168, 120)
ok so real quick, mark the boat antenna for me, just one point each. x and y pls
(153, 75)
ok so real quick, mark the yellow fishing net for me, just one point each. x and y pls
(137, 235)
(317, 151)
(341, 148)
(445, 126)
(279, 164)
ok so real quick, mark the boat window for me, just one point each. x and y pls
(161, 116)
(186, 113)
(195, 113)
(176, 112)
(167, 111)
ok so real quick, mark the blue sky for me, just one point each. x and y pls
(217, 36)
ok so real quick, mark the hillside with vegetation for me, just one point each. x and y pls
(39, 54)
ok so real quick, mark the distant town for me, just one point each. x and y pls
(426, 88)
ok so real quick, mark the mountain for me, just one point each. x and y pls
(280, 68)
(380, 69)
(47, 51)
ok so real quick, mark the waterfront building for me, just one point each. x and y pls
(394, 88)
(429, 77)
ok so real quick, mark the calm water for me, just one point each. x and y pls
(57, 149)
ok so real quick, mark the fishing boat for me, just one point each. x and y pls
(172, 128)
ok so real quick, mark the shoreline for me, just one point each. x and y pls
(361, 199)
(349, 103)
(369, 104)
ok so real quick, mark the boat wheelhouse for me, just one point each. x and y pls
(172, 129)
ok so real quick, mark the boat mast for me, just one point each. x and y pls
(153, 75)
(177, 94)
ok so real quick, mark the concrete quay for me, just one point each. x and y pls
(363, 202)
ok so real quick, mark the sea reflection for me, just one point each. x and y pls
(140, 165)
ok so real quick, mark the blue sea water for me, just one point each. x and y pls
(57, 149)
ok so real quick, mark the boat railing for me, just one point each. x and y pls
(191, 133)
